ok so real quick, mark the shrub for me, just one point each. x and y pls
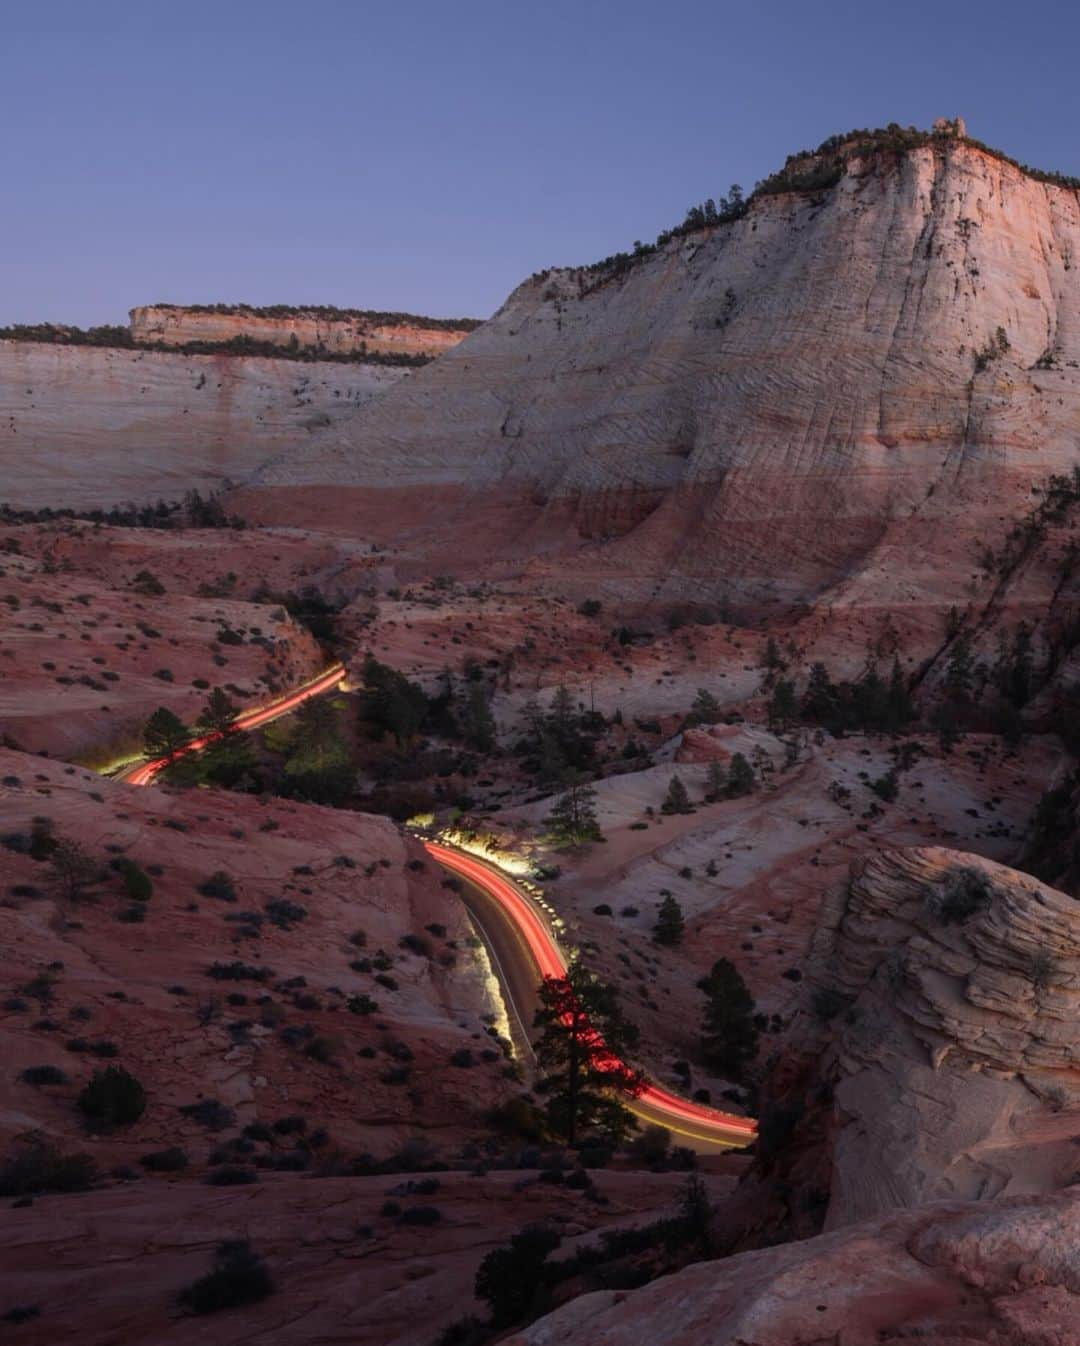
(238, 1276)
(238, 972)
(964, 893)
(113, 1097)
(43, 1075)
(231, 1175)
(462, 1057)
(209, 1112)
(171, 1160)
(422, 1215)
(42, 1168)
(138, 885)
(219, 885)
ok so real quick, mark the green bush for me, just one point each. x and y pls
(40, 1167)
(238, 1276)
(113, 1097)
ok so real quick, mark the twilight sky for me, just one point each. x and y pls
(429, 155)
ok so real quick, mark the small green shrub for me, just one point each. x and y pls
(238, 1276)
(113, 1097)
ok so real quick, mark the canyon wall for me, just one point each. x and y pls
(884, 368)
(83, 427)
(339, 332)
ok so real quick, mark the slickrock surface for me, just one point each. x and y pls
(280, 1043)
(1005, 1274)
(175, 325)
(85, 656)
(108, 1266)
(758, 410)
(957, 1067)
(82, 427)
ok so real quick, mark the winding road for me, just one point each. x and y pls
(522, 947)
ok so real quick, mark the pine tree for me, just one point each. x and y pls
(730, 1037)
(716, 781)
(740, 776)
(706, 709)
(219, 713)
(898, 699)
(164, 733)
(477, 722)
(583, 1038)
(676, 800)
(782, 705)
(669, 922)
(820, 702)
(771, 658)
(573, 816)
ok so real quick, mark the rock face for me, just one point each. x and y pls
(758, 409)
(957, 1065)
(339, 331)
(82, 427)
(1005, 1273)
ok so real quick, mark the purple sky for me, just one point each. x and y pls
(428, 156)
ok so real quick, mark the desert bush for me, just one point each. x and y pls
(113, 1097)
(40, 1167)
(171, 1160)
(38, 1075)
(238, 1276)
(964, 892)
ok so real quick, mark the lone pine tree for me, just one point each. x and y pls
(582, 1040)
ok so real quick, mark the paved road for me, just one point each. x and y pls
(523, 949)
(143, 773)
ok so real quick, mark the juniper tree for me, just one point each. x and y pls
(706, 709)
(783, 706)
(582, 1041)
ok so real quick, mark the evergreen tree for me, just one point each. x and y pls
(820, 703)
(730, 1037)
(740, 776)
(390, 703)
(706, 708)
(511, 1279)
(73, 868)
(669, 922)
(219, 713)
(900, 710)
(477, 722)
(782, 705)
(582, 1040)
(676, 800)
(573, 817)
(716, 781)
(771, 658)
(164, 733)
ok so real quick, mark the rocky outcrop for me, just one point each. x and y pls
(83, 427)
(336, 331)
(1006, 1273)
(840, 378)
(954, 987)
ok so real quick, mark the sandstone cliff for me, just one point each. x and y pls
(336, 331)
(83, 426)
(881, 369)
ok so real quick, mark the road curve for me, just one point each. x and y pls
(529, 951)
(143, 773)
(703, 1127)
